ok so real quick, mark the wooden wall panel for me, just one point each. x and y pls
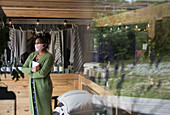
(61, 84)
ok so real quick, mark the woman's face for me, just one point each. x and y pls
(39, 46)
(37, 41)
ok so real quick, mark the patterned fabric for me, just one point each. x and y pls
(17, 43)
(62, 45)
(60, 109)
(57, 48)
(77, 49)
(11, 43)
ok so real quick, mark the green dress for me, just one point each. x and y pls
(42, 83)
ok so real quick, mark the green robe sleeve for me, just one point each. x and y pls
(46, 68)
(25, 68)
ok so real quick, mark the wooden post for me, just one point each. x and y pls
(151, 31)
(151, 28)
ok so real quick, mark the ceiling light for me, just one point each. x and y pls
(38, 21)
(10, 22)
(65, 22)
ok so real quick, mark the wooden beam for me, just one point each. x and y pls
(136, 16)
(57, 9)
(48, 9)
(87, 1)
(51, 21)
(46, 4)
(40, 13)
(61, 10)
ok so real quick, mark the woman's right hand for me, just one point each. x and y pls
(35, 69)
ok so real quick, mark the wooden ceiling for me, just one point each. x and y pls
(62, 8)
(66, 9)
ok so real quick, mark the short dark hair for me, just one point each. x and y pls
(44, 38)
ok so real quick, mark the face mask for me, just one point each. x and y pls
(39, 47)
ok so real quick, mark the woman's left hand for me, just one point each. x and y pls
(35, 69)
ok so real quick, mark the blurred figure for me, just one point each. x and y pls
(106, 76)
(92, 74)
(99, 78)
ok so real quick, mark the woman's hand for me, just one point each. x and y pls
(35, 69)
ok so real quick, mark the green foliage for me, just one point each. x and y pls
(17, 74)
(123, 41)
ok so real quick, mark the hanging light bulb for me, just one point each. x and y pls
(88, 26)
(65, 22)
(126, 27)
(38, 21)
(10, 22)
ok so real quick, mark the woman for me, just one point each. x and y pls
(40, 85)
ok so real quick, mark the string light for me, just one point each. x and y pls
(148, 25)
(126, 27)
(38, 21)
(136, 27)
(110, 29)
(10, 22)
(65, 22)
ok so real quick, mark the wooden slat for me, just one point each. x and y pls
(64, 76)
(46, 4)
(45, 14)
(64, 10)
(136, 16)
(81, 1)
